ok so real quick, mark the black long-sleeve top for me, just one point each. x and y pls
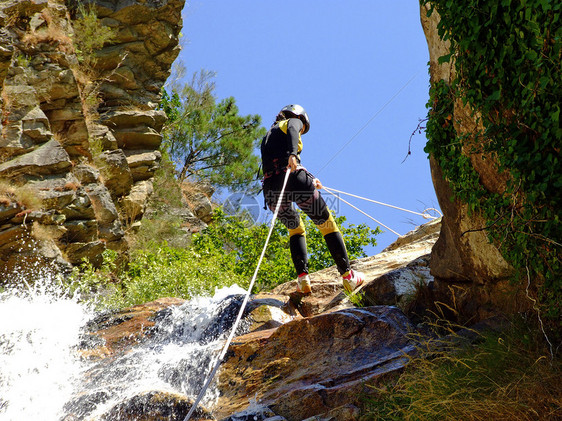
(281, 141)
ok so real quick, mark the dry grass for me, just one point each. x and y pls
(22, 195)
(53, 33)
(46, 232)
(69, 185)
(506, 376)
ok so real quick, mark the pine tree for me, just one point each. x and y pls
(209, 140)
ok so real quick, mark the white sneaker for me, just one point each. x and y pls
(303, 284)
(352, 280)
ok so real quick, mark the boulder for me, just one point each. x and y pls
(471, 275)
(35, 125)
(86, 174)
(323, 361)
(103, 136)
(201, 206)
(29, 258)
(55, 191)
(143, 164)
(82, 231)
(8, 210)
(408, 255)
(50, 158)
(132, 207)
(80, 208)
(10, 237)
(398, 287)
(13, 142)
(287, 367)
(76, 253)
(104, 207)
(6, 51)
(255, 413)
(267, 316)
(154, 406)
(139, 137)
(110, 334)
(463, 252)
(23, 7)
(60, 121)
(111, 231)
(90, 113)
(115, 172)
(116, 119)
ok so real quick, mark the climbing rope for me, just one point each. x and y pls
(368, 122)
(356, 208)
(425, 214)
(242, 308)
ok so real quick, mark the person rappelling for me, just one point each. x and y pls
(280, 152)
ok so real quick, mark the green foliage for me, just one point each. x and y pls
(22, 60)
(209, 139)
(234, 236)
(356, 298)
(226, 253)
(507, 57)
(505, 375)
(162, 271)
(177, 272)
(90, 35)
(96, 284)
(161, 224)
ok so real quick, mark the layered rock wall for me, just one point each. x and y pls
(79, 133)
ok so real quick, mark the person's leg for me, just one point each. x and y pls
(290, 218)
(297, 245)
(311, 202)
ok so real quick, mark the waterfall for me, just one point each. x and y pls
(39, 329)
(43, 377)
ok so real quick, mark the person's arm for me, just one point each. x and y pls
(294, 127)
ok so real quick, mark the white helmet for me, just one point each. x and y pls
(297, 111)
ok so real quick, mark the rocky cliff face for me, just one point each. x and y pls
(470, 272)
(79, 129)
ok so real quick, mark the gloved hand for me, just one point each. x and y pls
(317, 183)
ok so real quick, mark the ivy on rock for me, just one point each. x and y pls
(507, 57)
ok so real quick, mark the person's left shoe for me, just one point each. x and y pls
(352, 280)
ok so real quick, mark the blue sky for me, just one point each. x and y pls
(359, 68)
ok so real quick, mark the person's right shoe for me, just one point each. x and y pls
(303, 284)
(352, 280)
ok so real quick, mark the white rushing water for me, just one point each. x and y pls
(39, 328)
(43, 378)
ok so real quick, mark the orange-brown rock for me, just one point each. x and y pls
(311, 366)
(117, 332)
